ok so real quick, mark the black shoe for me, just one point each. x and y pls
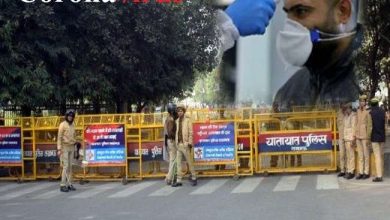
(176, 184)
(341, 174)
(349, 176)
(359, 177)
(71, 188)
(64, 189)
(194, 182)
(366, 176)
(377, 179)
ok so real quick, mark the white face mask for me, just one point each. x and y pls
(295, 42)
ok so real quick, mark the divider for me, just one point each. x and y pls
(227, 142)
(295, 142)
(11, 149)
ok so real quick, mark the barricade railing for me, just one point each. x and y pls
(295, 142)
(227, 142)
(16, 137)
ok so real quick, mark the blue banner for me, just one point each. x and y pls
(302, 141)
(214, 142)
(105, 145)
(10, 145)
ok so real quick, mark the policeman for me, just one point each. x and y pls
(349, 130)
(65, 149)
(340, 125)
(184, 144)
(363, 135)
(170, 133)
(378, 137)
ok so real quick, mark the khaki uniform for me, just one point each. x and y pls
(66, 142)
(349, 130)
(363, 135)
(183, 141)
(342, 151)
(170, 135)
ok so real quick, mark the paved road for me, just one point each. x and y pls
(290, 197)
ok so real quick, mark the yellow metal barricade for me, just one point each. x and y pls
(95, 170)
(146, 146)
(25, 169)
(45, 147)
(295, 142)
(243, 150)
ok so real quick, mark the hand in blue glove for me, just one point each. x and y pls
(251, 16)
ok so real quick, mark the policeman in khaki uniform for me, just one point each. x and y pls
(65, 149)
(378, 137)
(342, 154)
(170, 132)
(349, 130)
(184, 144)
(363, 135)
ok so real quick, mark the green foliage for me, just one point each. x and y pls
(56, 54)
(208, 89)
(371, 60)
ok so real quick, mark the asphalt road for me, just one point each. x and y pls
(278, 197)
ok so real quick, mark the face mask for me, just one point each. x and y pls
(295, 42)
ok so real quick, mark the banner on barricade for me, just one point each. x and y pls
(243, 143)
(11, 145)
(44, 152)
(105, 145)
(151, 151)
(300, 141)
(214, 142)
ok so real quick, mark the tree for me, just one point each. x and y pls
(102, 53)
(375, 50)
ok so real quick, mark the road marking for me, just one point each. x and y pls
(209, 187)
(36, 187)
(48, 195)
(247, 185)
(165, 191)
(94, 191)
(133, 189)
(325, 182)
(287, 183)
(9, 187)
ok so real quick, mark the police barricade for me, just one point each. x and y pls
(14, 139)
(222, 142)
(11, 148)
(44, 147)
(103, 154)
(147, 155)
(245, 141)
(295, 142)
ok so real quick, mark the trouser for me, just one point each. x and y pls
(342, 155)
(172, 150)
(66, 163)
(377, 147)
(350, 151)
(363, 156)
(185, 151)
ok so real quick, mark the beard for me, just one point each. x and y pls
(322, 55)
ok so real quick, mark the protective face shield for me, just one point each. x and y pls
(295, 42)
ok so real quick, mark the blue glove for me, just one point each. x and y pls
(251, 16)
